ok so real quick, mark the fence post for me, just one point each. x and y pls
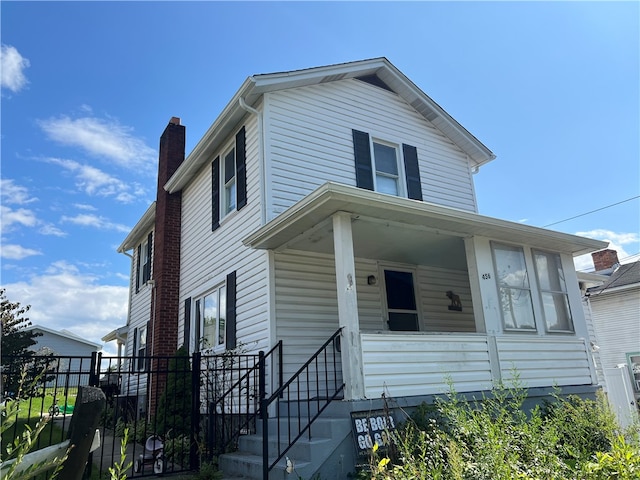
(262, 386)
(94, 368)
(194, 460)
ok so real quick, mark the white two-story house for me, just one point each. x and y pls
(341, 199)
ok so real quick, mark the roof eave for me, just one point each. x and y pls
(332, 197)
(255, 86)
(145, 223)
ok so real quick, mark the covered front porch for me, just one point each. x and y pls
(413, 288)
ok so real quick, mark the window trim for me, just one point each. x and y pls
(541, 291)
(219, 211)
(530, 289)
(401, 176)
(198, 319)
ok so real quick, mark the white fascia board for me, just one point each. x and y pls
(217, 133)
(146, 222)
(332, 197)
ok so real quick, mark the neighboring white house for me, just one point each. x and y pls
(74, 370)
(342, 197)
(614, 304)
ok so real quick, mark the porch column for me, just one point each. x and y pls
(485, 297)
(351, 347)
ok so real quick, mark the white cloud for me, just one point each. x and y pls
(14, 194)
(21, 216)
(102, 138)
(12, 66)
(85, 207)
(90, 220)
(17, 252)
(63, 297)
(94, 181)
(52, 230)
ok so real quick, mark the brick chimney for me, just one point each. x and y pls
(166, 254)
(605, 259)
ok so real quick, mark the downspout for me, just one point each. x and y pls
(261, 155)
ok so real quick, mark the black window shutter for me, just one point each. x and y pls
(414, 187)
(241, 170)
(215, 194)
(231, 312)
(362, 153)
(147, 268)
(138, 268)
(187, 325)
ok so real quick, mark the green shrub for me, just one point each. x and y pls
(174, 408)
(494, 438)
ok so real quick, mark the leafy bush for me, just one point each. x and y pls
(495, 438)
(174, 408)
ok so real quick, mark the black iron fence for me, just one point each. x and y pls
(175, 411)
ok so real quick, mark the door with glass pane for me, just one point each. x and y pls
(401, 301)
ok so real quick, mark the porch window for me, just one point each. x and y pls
(513, 286)
(211, 319)
(553, 292)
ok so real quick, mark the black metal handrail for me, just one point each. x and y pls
(244, 388)
(283, 395)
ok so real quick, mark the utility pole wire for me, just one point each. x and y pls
(592, 211)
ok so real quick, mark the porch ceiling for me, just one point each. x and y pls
(400, 229)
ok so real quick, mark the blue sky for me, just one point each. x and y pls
(87, 88)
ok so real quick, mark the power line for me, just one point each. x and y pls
(592, 211)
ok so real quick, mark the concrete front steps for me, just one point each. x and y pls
(327, 454)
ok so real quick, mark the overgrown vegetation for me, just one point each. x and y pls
(495, 438)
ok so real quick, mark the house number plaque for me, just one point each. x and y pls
(486, 276)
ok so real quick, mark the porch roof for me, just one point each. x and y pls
(400, 229)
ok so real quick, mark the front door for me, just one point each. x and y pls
(401, 301)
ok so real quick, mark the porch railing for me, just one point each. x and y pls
(300, 401)
(233, 387)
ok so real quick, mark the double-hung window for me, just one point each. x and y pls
(210, 315)
(229, 175)
(513, 287)
(144, 258)
(387, 170)
(139, 349)
(229, 180)
(553, 292)
(386, 167)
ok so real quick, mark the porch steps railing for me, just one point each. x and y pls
(284, 438)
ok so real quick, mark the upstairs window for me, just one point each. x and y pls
(553, 292)
(229, 180)
(513, 287)
(385, 167)
(229, 176)
(143, 264)
(385, 160)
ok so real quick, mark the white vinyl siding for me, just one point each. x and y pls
(307, 310)
(309, 142)
(615, 318)
(206, 257)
